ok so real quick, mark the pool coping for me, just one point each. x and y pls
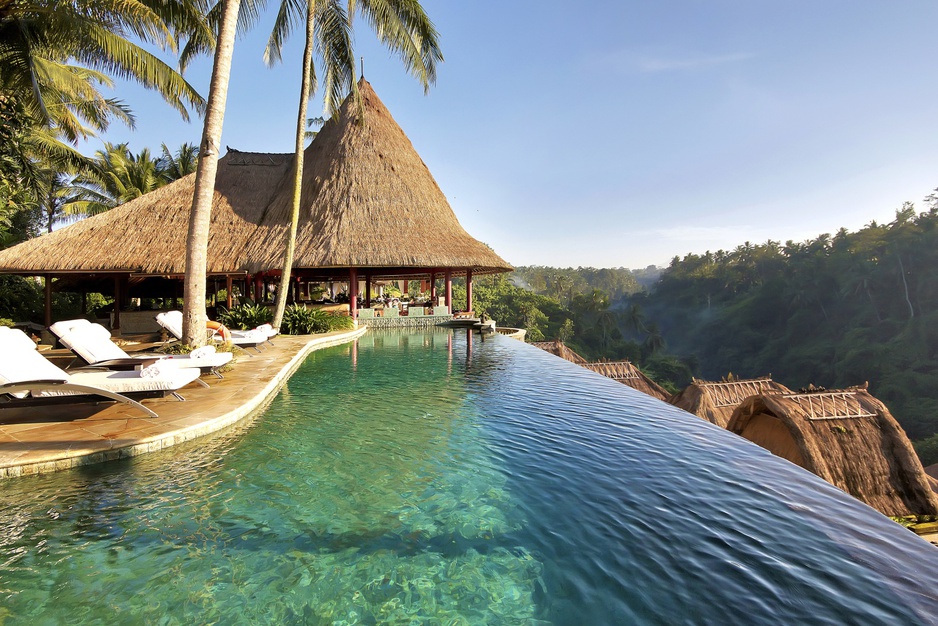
(68, 455)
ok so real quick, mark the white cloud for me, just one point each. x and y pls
(693, 62)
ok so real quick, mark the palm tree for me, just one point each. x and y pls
(402, 25)
(54, 55)
(116, 176)
(182, 163)
(193, 314)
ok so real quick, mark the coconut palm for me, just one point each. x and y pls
(193, 313)
(402, 25)
(55, 55)
(116, 176)
(182, 163)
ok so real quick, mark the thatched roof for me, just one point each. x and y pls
(627, 374)
(716, 401)
(623, 371)
(148, 235)
(369, 201)
(846, 437)
(559, 348)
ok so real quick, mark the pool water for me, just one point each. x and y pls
(435, 478)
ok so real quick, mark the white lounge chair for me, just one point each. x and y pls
(172, 322)
(29, 379)
(92, 344)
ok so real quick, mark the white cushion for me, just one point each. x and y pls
(92, 343)
(172, 322)
(21, 362)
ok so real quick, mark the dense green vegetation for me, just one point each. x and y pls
(834, 311)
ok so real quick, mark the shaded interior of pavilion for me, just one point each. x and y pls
(362, 293)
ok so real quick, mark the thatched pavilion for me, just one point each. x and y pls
(370, 210)
(623, 371)
(716, 401)
(846, 437)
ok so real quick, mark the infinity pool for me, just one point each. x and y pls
(434, 478)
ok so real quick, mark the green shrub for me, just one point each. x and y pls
(245, 316)
(298, 320)
(6, 322)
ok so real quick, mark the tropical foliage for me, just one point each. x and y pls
(299, 320)
(832, 311)
(245, 316)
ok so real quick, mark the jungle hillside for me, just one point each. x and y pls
(833, 311)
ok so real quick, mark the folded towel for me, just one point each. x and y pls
(203, 352)
(265, 328)
(151, 371)
(255, 335)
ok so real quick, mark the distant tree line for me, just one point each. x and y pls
(833, 311)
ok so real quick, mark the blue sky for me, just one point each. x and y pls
(621, 134)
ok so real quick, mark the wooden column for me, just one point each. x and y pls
(117, 304)
(406, 287)
(353, 292)
(367, 291)
(258, 287)
(469, 289)
(228, 288)
(449, 291)
(433, 287)
(47, 292)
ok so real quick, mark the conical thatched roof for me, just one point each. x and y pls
(627, 374)
(623, 371)
(716, 401)
(846, 437)
(559, 348)
(369, 201)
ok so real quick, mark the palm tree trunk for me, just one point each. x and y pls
(297, 169)
(193, 312)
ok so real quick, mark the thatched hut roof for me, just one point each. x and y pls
(716, 401)
(148, 234)
(846, 437)
(623, 371)
(559, 348)
(369, 201)
(628, 374)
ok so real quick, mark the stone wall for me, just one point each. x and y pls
(424, 321)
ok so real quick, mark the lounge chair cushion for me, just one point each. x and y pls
(20, 362)
(92, 342)
(172, 322)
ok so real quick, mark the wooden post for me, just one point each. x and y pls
(117, 304)
(449, 291)
(228, 287)
(406, 287)
(433, 287)
(367, 290)
(469, 289)
(47, 289)
(353, 293)
(258, 287)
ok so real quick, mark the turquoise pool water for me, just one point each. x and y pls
(433, 479)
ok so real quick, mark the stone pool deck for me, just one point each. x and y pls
(40, 440)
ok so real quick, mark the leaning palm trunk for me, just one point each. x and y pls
(297, 168)
(193, 313)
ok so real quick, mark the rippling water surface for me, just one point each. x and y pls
(433, 479)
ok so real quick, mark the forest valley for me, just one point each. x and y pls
(833, 312)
